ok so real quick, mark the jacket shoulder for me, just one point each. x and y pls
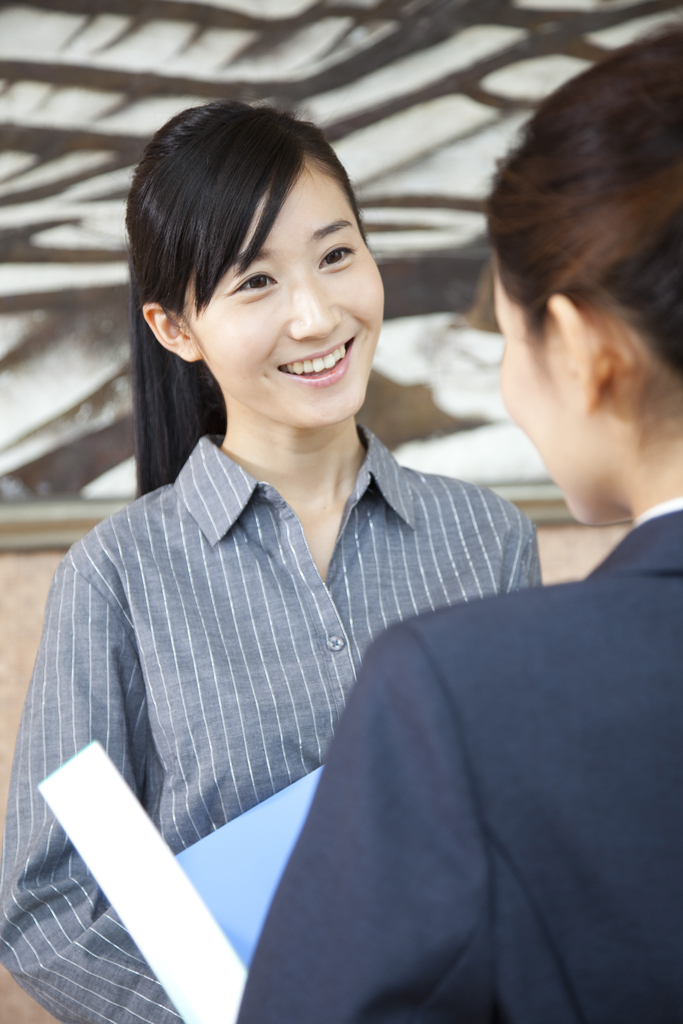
(556, 632)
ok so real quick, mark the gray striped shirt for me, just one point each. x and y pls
(192, 635)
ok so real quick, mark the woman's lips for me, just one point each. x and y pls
(326, 375)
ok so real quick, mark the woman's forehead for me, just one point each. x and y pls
(315, 208)
(314, 194)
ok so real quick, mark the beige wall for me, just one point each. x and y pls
(567, 552)
(24, 583)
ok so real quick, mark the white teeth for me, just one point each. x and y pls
(316, 365)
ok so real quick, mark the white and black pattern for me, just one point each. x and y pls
(420, 97)
(192, 634)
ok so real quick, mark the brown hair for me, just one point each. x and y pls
(590, 204)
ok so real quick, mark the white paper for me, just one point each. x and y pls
(152, 895)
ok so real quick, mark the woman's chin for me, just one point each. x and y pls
(322, 423)
(595, 509)
(324, 411)
(309, 420)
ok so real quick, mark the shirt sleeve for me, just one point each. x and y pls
(58, 936)
(382, 914)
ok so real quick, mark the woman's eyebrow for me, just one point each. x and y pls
(264, 254)
(329, 229)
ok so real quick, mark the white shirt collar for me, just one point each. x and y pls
(663, 509)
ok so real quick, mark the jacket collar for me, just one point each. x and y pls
(654, 548)
(216, 490)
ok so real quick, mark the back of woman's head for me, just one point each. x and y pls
(590, 205)
(204, 197)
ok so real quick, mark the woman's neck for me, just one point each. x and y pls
(309, 466)
(635, 465)
(656, 476)
(314, 471)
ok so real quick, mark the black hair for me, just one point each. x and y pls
(204, 179)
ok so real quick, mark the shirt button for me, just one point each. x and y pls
(335, 643)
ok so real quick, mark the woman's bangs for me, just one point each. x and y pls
(242, 211)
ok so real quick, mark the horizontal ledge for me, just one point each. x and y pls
(57, 510)
(543, 503)
(51, 522)
(60, 522)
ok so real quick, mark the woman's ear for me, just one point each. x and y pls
(173, 335)
(599, 350)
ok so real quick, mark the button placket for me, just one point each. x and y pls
(321, 602)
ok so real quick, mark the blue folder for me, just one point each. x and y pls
(237, 868)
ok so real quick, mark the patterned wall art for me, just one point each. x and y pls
(420, 98)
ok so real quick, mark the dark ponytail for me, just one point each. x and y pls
(174, 403)
(207, 177)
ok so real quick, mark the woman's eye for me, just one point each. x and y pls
(336, 256)
(256, 282)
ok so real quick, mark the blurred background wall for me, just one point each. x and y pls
(420, 97)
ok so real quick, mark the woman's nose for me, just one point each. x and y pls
(312, 314)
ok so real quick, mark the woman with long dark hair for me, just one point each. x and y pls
(208, 634)
(507, 846)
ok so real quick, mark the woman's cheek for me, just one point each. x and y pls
(364, 293)
(242, 349)
(376, 289)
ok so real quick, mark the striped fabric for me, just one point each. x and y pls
(192, 634)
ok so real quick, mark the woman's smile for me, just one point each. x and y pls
(323, 369)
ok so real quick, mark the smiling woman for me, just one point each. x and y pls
(289, 339)
(209, 634)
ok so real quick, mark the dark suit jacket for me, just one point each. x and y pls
(498, 834)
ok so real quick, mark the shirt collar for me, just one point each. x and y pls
(391, 479)
(216, 490)
(664, 508)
